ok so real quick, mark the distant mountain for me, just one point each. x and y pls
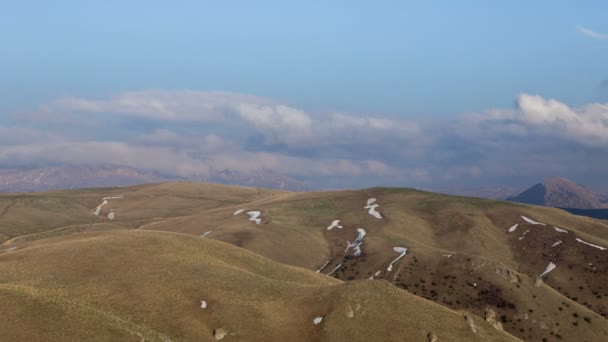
(95, 176)
(491, 192)
(265, 179)
(602, 194)
(72, 177)
(561, 193)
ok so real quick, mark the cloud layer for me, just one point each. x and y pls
(592, 34)
(192, 133)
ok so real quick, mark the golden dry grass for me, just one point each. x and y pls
(130, 285)
(473, 230)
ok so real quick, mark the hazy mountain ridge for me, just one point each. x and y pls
(499, 192)
(72, 177)
(97, 176)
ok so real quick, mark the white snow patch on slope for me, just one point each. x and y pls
(238, 212)
(97, 210)
(402, 251)
(372, 208)
(559, 230)
(524, 234)
(112, 215)
(557, 243)
(203, 304)
(207, 233)
(512, 229)
(532, 221)
(255, 216)
(335, 224)
(335, 269)
(375, 275)
(356, 245)
(322, 267)
(317, 320)
(549, 268)
(590, 244)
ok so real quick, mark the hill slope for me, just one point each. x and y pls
(560, 193)
(144, 285)
(490, 258)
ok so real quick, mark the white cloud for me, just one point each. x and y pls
(549, 118)
(278, 123)
(592, 34)
(189, 133)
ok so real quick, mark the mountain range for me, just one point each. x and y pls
(96, 176)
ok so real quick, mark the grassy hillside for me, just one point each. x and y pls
(460, 254)
(71, 210)
(144, 285)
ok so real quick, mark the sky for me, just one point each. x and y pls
(339, 94)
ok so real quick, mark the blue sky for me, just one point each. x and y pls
(425, 63)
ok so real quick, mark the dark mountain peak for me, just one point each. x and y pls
(559, 192)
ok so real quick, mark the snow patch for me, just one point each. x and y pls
(97, 210)
(402, 251)
(372, 208)
(559, 230)
(203, 304)
(322, 267)
(356, 245)
(524, 234)
(335, 224)
(375, 275)
(238, 212)
(549, 268)
(592, 245)
(207, 233)
(255, 216)
(317, 320)
(557, 243)
(448, 255)
(335, 269)
(532, 221)
(112, 215)
(512, 229)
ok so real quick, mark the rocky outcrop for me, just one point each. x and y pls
(490, 317)
(220, 333)
(507, 273)
(469, 319)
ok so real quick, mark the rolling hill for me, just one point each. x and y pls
(159, 286)
(535, 272)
